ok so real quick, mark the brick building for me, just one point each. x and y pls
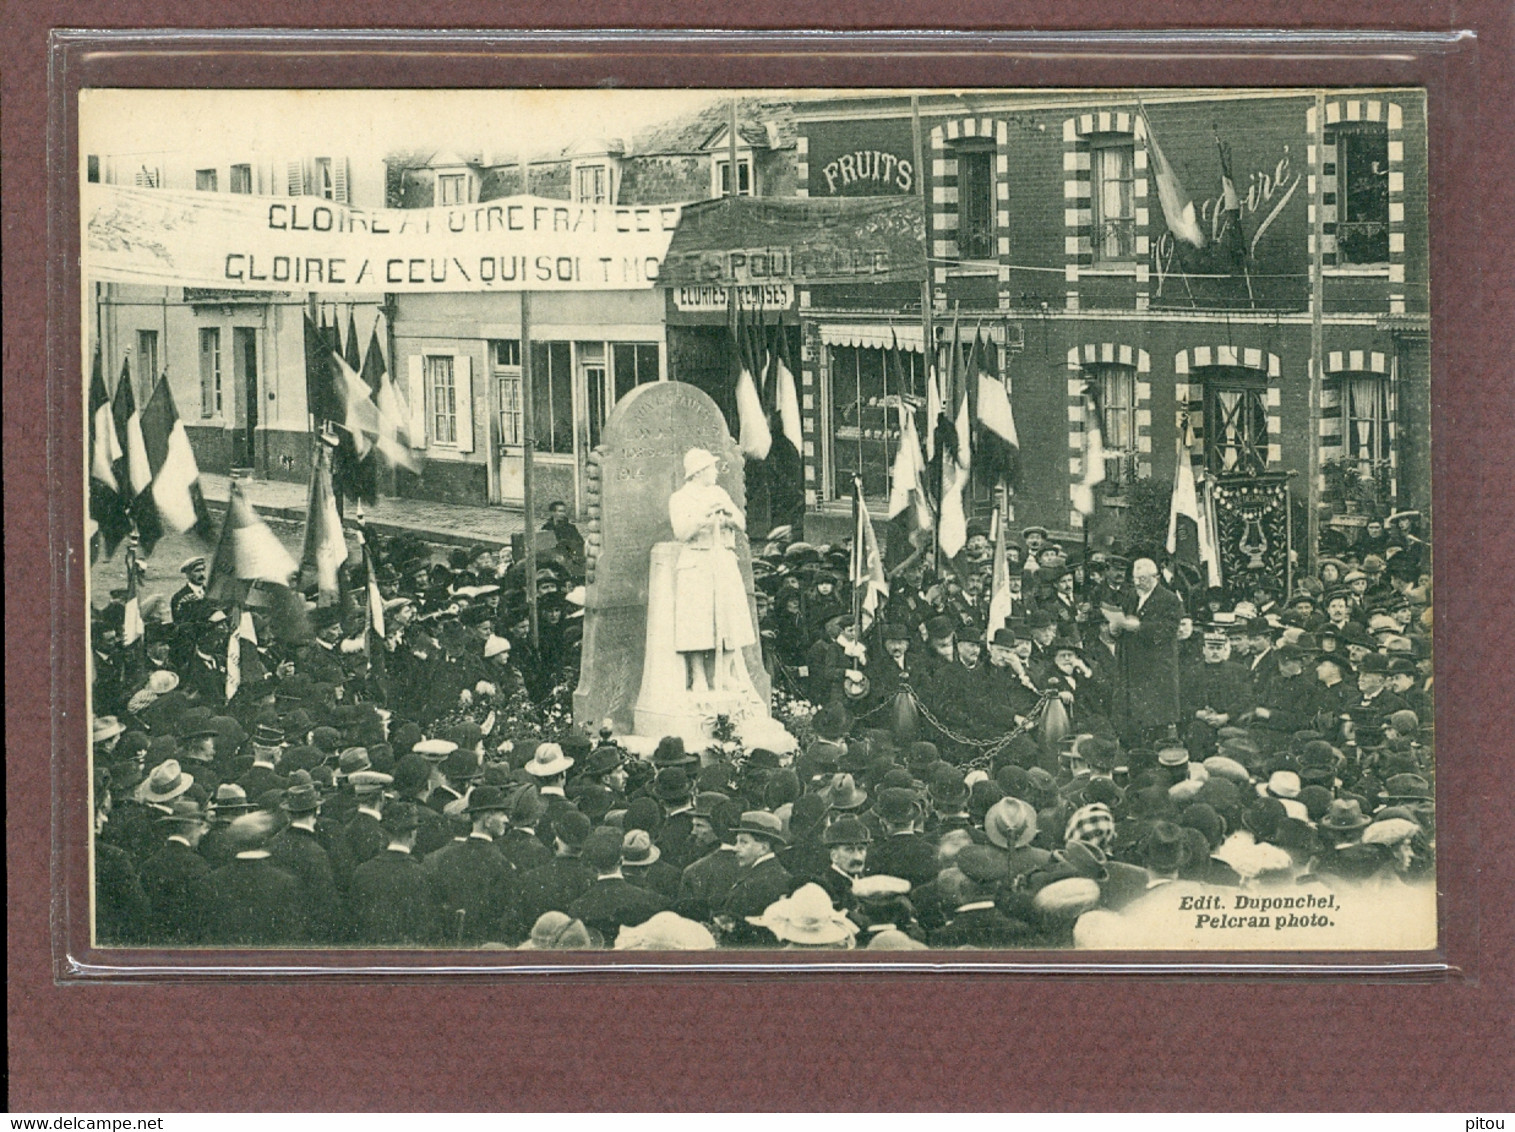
(1045, 227)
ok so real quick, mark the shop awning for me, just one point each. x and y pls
(873, 335)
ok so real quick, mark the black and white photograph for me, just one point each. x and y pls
(757, 520)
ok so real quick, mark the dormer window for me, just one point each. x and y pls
(749, 139)
(591, 184)
(454, 179)
(722, 185)
(595, 170)
(452, 188)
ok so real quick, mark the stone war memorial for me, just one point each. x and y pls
(669, 616)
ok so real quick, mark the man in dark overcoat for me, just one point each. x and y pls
(1147, 656)
(390, 898)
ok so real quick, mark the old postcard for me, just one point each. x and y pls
(877, 520)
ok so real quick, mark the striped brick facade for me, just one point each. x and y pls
(1343, 364)
(812, 357)
(802, 166)
(1354, 112)
(943, 183)
(1189, 390)
(1083, 363)
(1078, 208)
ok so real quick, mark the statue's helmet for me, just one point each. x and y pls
(696, 460)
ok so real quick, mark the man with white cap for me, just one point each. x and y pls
(188, 604)
(1217, 692)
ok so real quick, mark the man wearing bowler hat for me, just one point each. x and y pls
(554, 886)
(298, 850)
(474, 886)
(901, 851)
(892, 672)
(177, 880)
(846, 840)
(977, 922)
(674, 792)
(391, 898)
(612, 902)
(256, 903)
(761, 878)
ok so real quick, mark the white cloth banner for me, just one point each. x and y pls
(236, 242)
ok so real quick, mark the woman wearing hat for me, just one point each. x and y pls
(711, 620)
(807, 921)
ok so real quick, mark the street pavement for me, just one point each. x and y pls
(282, 505)
(443, 524)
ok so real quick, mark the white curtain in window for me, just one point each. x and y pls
(1110, 205)
(1367, 410)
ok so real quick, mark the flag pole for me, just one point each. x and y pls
(733, 187)
(528, 479)
(927, 345)
(1228, 182)
(857, 552)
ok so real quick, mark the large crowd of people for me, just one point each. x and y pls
(1125, 729)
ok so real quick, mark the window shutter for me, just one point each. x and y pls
(462, 377)
(296, 179)
(417, 401)
(339, 179)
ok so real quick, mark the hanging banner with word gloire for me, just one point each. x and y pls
(742, 241)
(519, 243)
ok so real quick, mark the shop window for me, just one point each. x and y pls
(210, 371)
(241, 179)
(1236, 421)
(1111, 159)
(634, 363)
(1362, 187)
(1117, 397)
(975, 203)
(506, 358)
(866, 390)
(552, 397)
(205, 180)
(442, 395)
